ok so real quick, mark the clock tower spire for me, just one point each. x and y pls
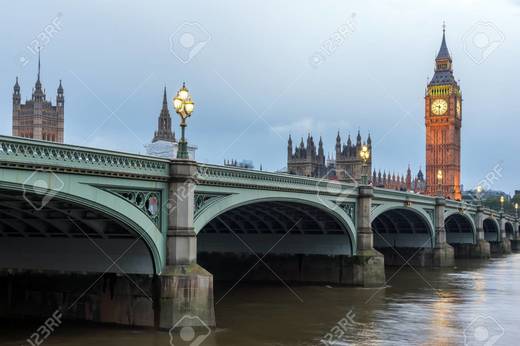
(443, 119)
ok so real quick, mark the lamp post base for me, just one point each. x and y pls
(182, 152)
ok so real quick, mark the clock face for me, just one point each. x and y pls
(439, 107)
(458, 107)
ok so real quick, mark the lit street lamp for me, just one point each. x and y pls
(502, 201)
(516, 210)
(439, 182)
(365, 155)
(479, 192)
(184, 107)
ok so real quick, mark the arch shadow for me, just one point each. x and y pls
(399, 227)
(460, 229)
(491, 229)
(71, 232)
(304, 203)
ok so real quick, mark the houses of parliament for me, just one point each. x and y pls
(443, 121)
(38, 118)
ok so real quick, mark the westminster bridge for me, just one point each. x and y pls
(137, 240)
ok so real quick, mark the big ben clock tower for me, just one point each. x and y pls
(443, 118)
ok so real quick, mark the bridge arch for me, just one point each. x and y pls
(77, 216)
(491, 229)
(322, 226)
(460, 228)
(398, 226)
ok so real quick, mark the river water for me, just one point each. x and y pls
(476, 302)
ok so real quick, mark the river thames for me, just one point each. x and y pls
(475, 303)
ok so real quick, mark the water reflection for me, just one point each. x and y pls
(430, 307)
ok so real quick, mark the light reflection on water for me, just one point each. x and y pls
(432, 307)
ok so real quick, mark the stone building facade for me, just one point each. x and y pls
(309, 160)
(306, 159)
(348, 163)
(398, 182)
(37, 118)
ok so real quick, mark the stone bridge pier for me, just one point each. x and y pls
(369, 264)
(186, 289)
(443, 253)
(502, 246)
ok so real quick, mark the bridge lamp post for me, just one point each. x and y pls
(479, 192)
(502, 201)
(516, 210)
(183, 107)
(439, 182)
(365, 155)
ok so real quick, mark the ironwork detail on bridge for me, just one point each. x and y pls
(149, 202)
(431, 213)
(349, 208)
(374, 206)
(204, 200)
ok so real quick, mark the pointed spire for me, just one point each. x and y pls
(60, 88)
(38, 64)
(16, 85)
(165, 99)
(164, 127)
(443, 51)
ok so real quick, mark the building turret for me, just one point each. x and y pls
(289, 148)
(16, 93)
(338, 145)
(409, 179)
(60, 98)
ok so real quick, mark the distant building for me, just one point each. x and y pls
(164, 143)
(37, 118)
(247, 164)
(416, 184)
(347, 165)
(306, 160)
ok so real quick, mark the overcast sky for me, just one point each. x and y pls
(259, 70)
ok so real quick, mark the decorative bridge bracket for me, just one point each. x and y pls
(349, 208)
(431, 214)
(204, 200)
(149, 202)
